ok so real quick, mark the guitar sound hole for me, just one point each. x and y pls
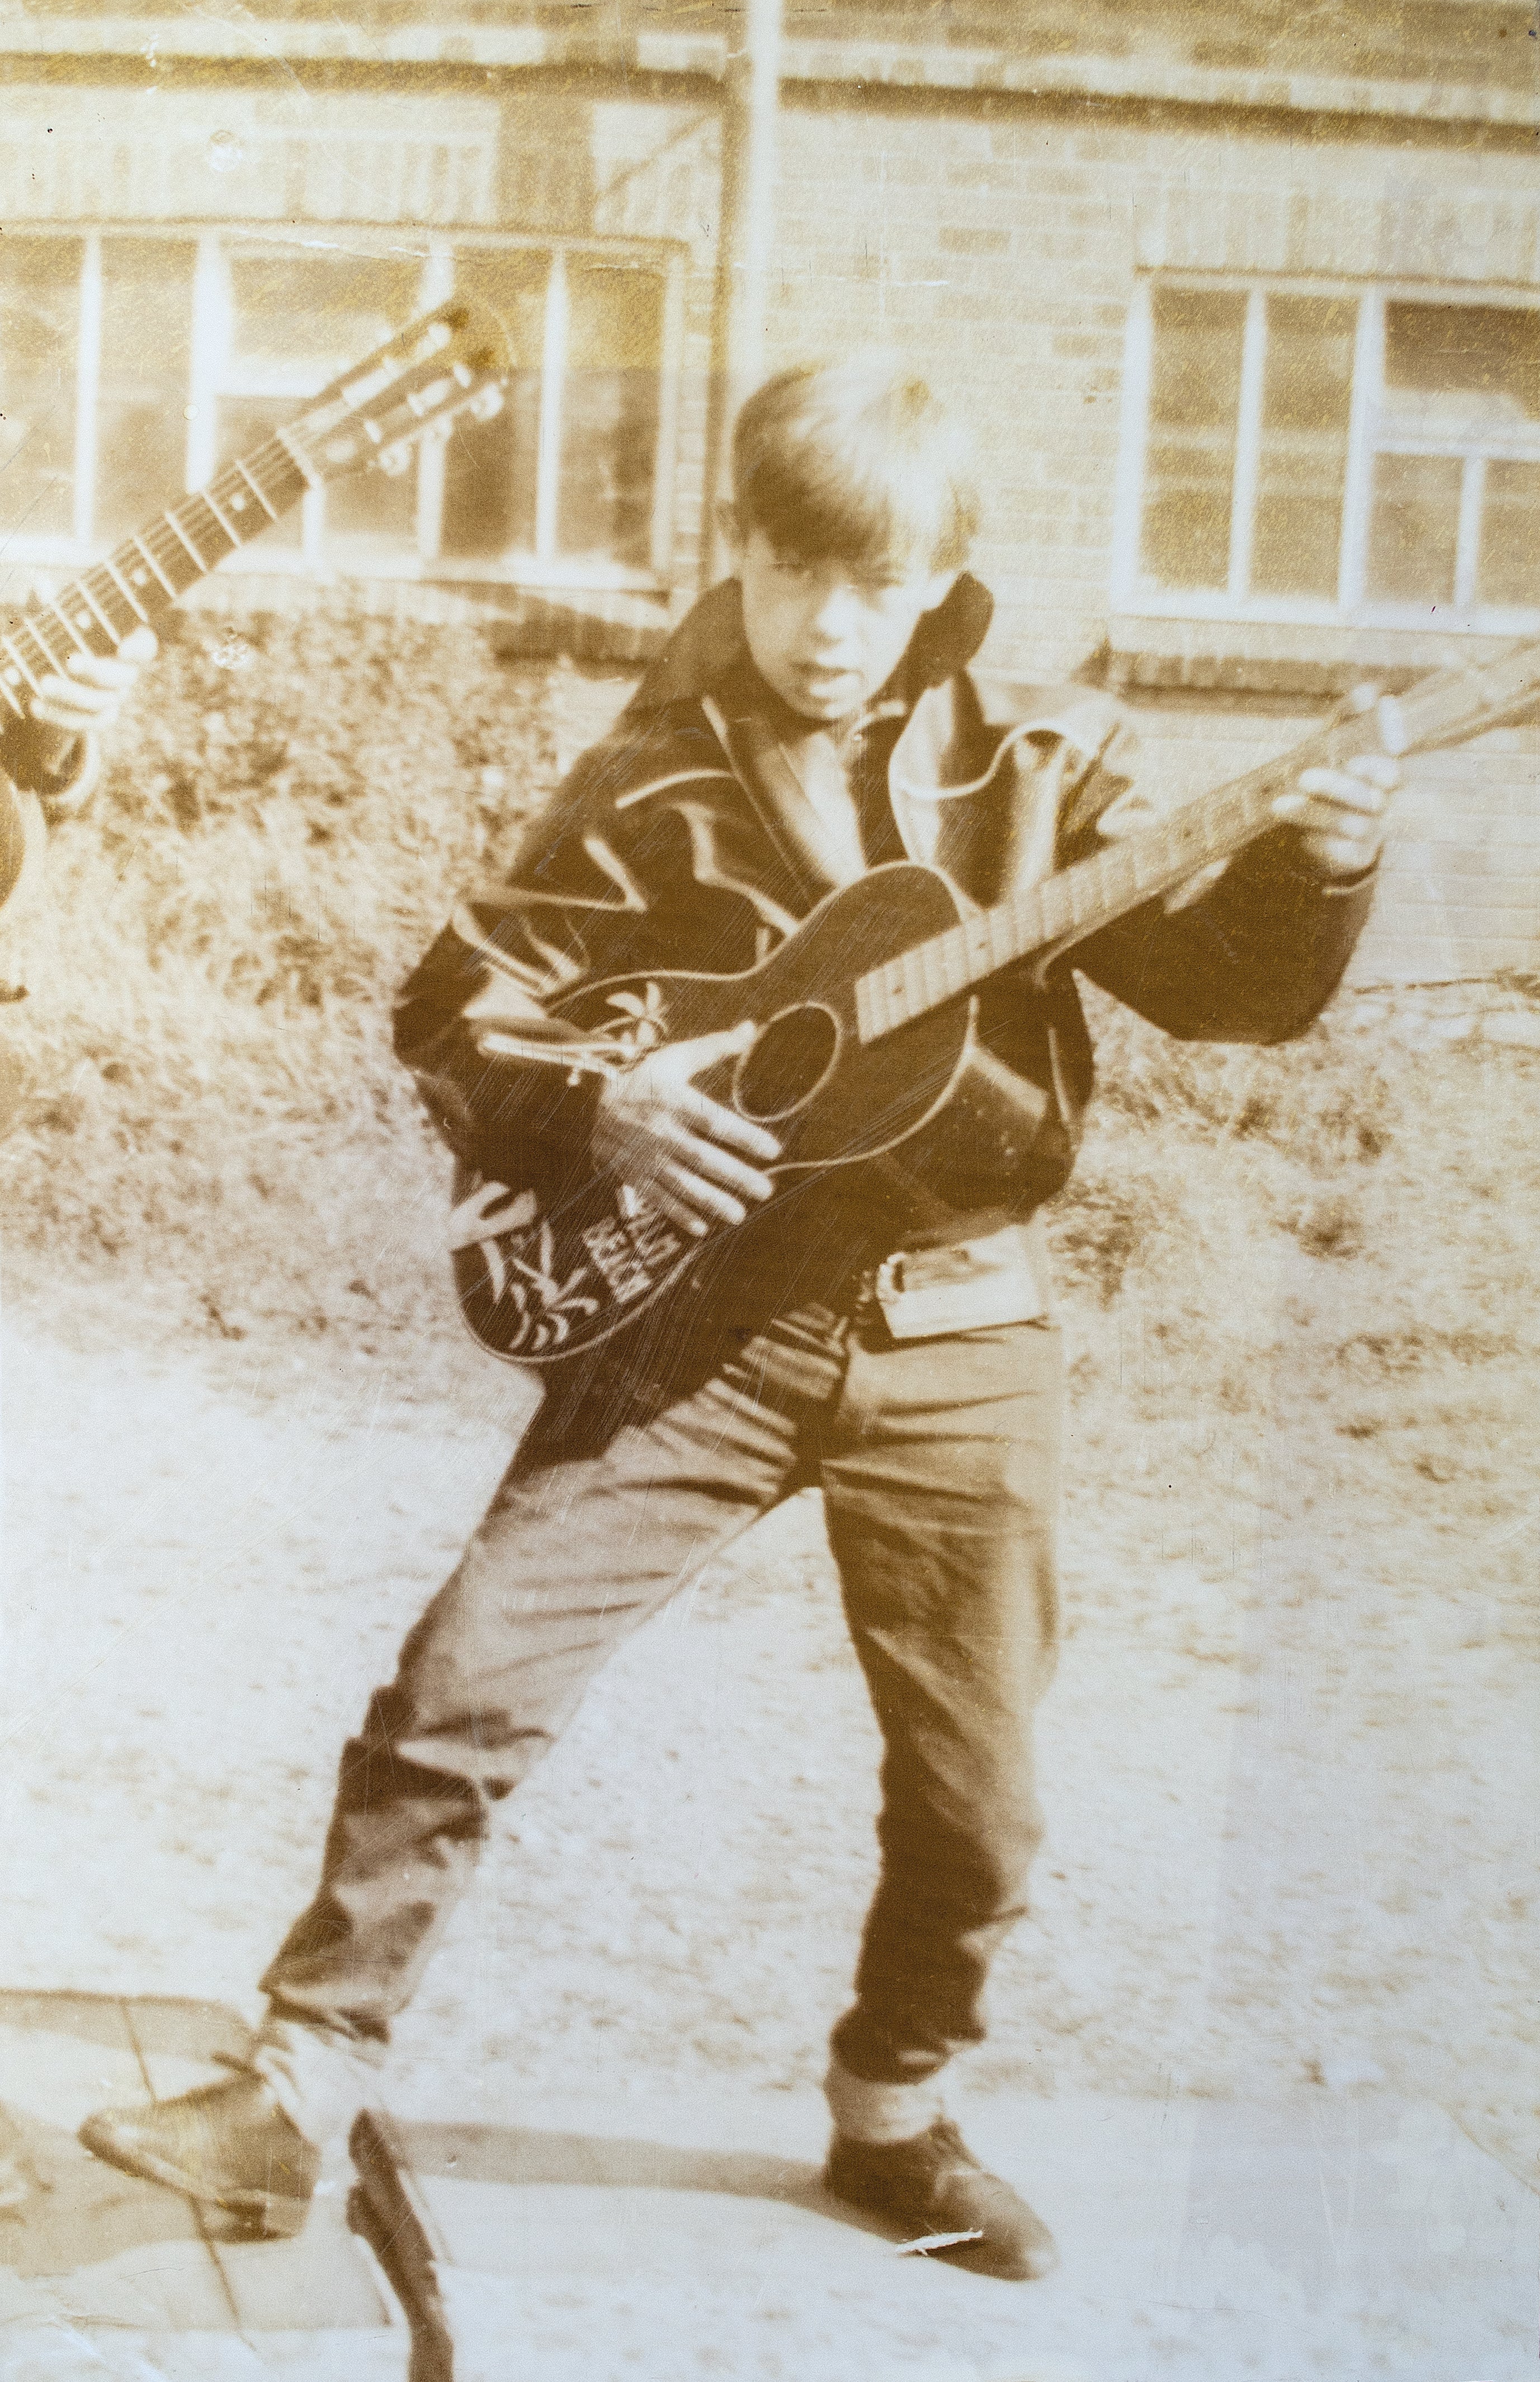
(789, 1059)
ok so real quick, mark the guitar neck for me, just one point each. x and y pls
(1042, 920)
(144, 576)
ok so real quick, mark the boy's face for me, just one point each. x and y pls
(824, 636)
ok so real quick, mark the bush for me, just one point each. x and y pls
(199, 1079)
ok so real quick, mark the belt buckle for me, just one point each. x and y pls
(966, 1286)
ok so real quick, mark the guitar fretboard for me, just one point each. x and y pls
(144, 576)
(1044, 919)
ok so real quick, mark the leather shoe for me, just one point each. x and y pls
(932, 2184)
(229, 2145)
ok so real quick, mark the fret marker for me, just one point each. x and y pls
(139, 577)
(82, 620)
(13, 676)
(237, 504)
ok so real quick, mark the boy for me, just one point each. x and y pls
(813, 717)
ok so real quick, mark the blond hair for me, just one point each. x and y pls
(857, 462)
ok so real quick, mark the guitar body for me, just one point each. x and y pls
(944, 1126)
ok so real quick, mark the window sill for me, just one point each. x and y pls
(364, 558)
(583, 576)
(1304, 659)
(599, 624)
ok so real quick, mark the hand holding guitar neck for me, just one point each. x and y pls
(69, 658)
(1339, 814)
(90, 690)
(674, 1146)
(1337, 810)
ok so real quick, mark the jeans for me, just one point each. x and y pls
(938, 1463)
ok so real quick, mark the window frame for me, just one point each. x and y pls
(1369, 435)
(316, 555)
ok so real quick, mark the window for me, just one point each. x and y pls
(1296, 454)
(39, 360)
(132, 365)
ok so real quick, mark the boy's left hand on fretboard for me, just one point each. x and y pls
(96, 687)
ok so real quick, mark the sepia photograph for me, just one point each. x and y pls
(770, 1235)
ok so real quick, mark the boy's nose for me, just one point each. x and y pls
(834, 611)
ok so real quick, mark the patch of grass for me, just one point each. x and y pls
(202, 1095)
(1262, 1248)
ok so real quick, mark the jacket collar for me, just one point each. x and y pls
(710, 641)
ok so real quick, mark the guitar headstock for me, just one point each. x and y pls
(455, 360)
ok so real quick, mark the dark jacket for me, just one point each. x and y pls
(43, 774)
(686, 840)
(57, 768)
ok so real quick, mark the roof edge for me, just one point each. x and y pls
(873, 65)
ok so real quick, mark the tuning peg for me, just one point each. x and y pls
(487, 402)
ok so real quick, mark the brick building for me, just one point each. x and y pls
(1244, 301)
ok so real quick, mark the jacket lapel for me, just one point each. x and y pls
(797, 785)
(985, 790)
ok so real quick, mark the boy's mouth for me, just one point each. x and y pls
(826, 678)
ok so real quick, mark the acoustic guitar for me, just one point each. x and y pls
(867, 1050)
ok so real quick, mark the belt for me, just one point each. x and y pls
(967, 1283)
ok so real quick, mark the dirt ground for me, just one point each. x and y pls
(1291, 1796)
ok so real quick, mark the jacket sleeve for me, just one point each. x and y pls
(1254, 958)
(59, 768)
(516, 1121)
(577, 902)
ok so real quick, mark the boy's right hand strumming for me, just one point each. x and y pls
(677, 1149)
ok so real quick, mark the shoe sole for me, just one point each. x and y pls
(977, 2262)
(974, 2257)
(269, 2215)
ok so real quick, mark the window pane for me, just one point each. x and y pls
(40, 318)
(1413, 526)
(1189, 465)
(145, 377)
(299, 321)
(1463, 369)
(1307, 393)
(246, 424)
(489, 466)
(1510, 567)
(372, 504)
(610, 409)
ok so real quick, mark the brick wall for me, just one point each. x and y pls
(108, 153)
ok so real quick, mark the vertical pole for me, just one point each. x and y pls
(751, 95)
(553, 379)
(88, 373)
(437, 284)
